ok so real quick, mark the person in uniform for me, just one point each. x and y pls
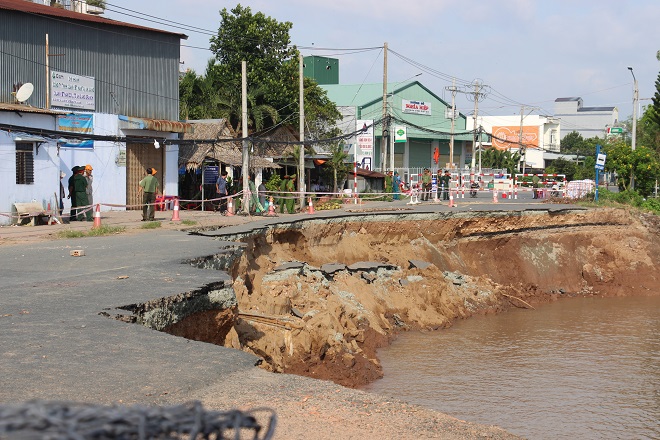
(149, 187)
(282, 200)
(73, 214)
(426, 185)
(80, 188)
(446, 180)
(291, 188)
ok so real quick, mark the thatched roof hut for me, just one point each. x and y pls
(275, 142)
(223, 149)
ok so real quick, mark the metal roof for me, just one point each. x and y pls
(22, 108)
(359, 94)
(567, 99)
(596, 109)
(35, 8)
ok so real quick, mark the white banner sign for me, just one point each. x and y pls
(400, 134)
(365, 143)
(416, 107)
(72, 91)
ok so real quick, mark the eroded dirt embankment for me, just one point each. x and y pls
(328, 325)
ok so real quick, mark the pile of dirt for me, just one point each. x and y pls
(329, 324)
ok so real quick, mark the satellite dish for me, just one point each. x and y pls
(24, 93)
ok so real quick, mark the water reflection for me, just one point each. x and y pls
(580, 368)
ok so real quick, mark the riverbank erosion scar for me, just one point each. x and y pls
(319, 297)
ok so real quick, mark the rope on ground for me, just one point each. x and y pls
(63, 420)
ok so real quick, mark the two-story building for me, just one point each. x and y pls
(103, 93)
(587, 121)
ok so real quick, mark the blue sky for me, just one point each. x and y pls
(529, 52)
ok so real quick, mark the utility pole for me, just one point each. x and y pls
(385, 124)
(634, 121)
(301, 160)
(523, 152)
(453, 91)
(635, 105)
(479, 91)
(244, 123)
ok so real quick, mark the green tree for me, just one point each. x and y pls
(563, 166)
(500, 159)
(272, 63)
(648, 131)
(206, 97)
(654, 111)
(643, 162)
(337, 163)
(572, 143)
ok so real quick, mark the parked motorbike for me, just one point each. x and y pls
(474, 187)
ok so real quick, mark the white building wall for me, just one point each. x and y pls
(109, 187)
(46, 165)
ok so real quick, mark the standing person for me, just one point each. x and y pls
(80, 188)
(535, 186)
(396, 183)
(283, 195)
(291, 188)
(62, 192)
(90, 179)
(73, 214)
(426, 185)
(148, 185)
(221, 189)
(446, 180)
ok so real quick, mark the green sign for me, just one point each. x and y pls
(616, 130)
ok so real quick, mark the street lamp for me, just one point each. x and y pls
(635, 104)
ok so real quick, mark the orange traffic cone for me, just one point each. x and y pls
(175, 211)
(451, 200)
(230, 207)
(495, 197)
(271, 208)
(310, 207)
(97, 216)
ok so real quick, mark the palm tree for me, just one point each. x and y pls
(337, 162)
(212, 99)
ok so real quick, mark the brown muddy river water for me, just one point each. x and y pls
(586, 368)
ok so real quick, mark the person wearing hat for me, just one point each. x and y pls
(73, 214)
(149, 187)
(90, 179)
(80, 189)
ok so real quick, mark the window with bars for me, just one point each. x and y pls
(24, 163)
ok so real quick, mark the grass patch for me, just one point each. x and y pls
(94, 232)
(188, 222)
(105, 230)
(151, 225)
(70, 234)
